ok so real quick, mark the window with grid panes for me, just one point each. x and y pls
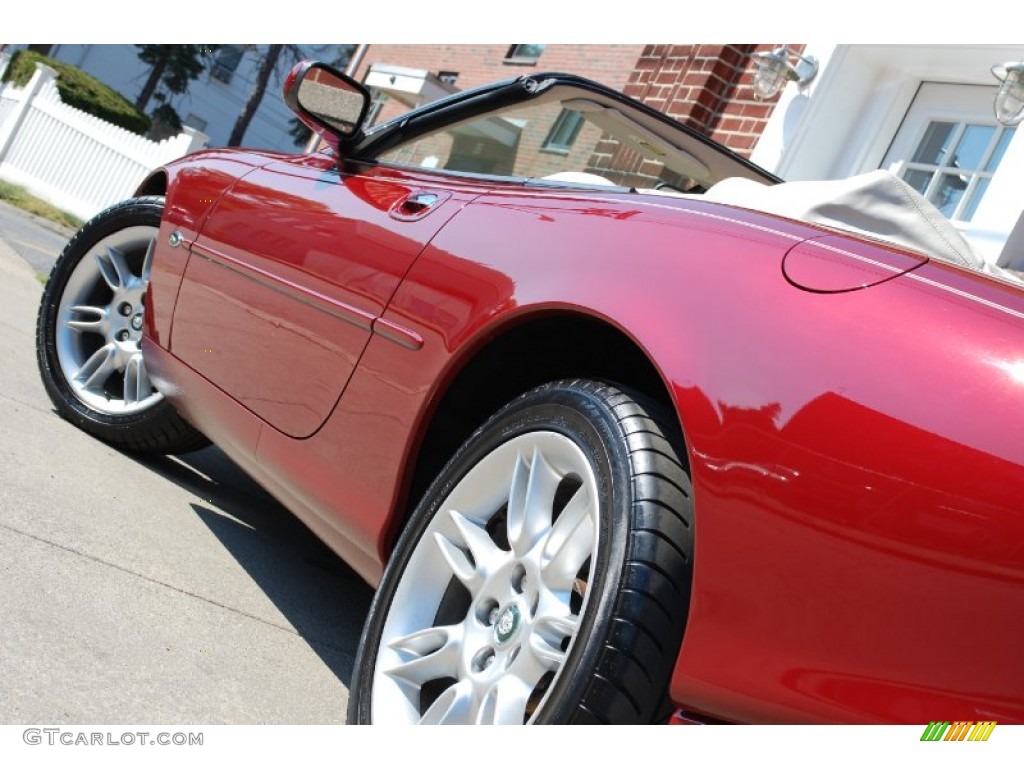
(954, 162)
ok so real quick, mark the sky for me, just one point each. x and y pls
(479, 21)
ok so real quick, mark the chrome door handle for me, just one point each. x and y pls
(416, 205)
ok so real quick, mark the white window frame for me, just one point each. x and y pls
(955, 103)
(975, 176)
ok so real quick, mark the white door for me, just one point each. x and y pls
(949, 145)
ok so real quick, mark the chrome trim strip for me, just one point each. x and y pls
(864, 259)
(720, 217)
(318, 301)
(397, 334)
(366, 321)
(965, 295)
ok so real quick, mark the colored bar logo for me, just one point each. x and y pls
(959, 731)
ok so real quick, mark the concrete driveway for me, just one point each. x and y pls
(152, 591)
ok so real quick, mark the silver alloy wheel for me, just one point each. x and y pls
(100, 318)
(491, 600)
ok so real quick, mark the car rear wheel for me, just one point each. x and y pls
(89, 333)
(545, 576)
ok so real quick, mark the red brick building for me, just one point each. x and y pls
(707, 87)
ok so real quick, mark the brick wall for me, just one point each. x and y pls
(707, 87)
(482, 64)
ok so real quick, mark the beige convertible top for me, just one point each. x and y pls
(877, 204)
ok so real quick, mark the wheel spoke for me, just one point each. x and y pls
(549, 655)
(137, 386)
(546, 639)
(569, 542)
(505, 703)
(147, 262)
(94, 319)
(454, 705)
(477, 553)
(98, 368)
(434, 654)
(530, 501)
(113, 268)
(458, 560)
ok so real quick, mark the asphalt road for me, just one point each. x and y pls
(171, 590)
(37, 241)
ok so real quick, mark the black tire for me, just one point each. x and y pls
(88, 352)
(441, 646)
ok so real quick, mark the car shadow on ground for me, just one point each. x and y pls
(321, 597)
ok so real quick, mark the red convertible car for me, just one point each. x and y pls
(621, 426)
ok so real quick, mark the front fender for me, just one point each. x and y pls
(192, 185)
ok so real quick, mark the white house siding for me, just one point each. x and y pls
(844, 121)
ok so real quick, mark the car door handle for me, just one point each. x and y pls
(416, 205)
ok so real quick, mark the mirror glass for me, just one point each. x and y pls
(331, 100)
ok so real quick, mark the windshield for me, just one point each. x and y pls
(566, 135)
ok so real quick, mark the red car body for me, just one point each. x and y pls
(853, 412)
(856, 456)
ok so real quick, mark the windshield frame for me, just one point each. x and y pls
(466, 105)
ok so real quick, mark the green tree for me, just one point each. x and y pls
(268, 60)
(172, 68)
(80, 90)
(277, 58)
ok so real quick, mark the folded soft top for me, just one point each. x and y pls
(876, 204)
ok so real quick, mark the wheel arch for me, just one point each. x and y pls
(526, 351)
(154, 184)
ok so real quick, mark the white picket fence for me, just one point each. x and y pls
(69, 158)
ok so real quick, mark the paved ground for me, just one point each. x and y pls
(164, 591)
(36, 240)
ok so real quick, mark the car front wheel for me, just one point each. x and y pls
(545, 576)
(89, 332)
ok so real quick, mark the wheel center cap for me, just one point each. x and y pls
(507, 624)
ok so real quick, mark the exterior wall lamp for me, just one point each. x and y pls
(773, 71)
(1009, 101)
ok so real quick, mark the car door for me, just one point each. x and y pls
(288, 277)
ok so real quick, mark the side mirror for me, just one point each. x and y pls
(330, 103)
